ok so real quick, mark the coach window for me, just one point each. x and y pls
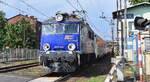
(92, 36)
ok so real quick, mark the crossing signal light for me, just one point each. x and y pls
(140, 23)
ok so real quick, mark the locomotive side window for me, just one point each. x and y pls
(91, 35)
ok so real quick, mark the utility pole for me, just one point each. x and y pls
(117, 25)
(111, 23)
(125, 23)
(120, 4)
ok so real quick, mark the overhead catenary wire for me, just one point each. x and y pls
(34, 8)
(83, 11)
(2, 2)
(76, 9)
(18, 9)
(93, 25)
(71, 4)
(80, 5)
(89, 20)
(84, 15)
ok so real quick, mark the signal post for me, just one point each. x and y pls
(140, 23)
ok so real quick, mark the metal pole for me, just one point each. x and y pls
(120, 4)
(112, 37)
(111, 22)
(125, 23)
(122, 40)
(117, 28)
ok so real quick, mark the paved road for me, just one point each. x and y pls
(12, 78)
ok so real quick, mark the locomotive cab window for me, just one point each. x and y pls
(48, 29)
(60, 28)
(71, 28)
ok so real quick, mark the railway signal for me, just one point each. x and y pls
(140, 23)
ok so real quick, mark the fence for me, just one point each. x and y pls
(9, 55)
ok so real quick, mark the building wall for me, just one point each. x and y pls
(142, 11)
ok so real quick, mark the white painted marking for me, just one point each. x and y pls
(140, 57)
(140, 71)
(45, 79)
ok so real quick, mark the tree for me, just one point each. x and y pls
(133, 2)
(2, 25)
(19, 35)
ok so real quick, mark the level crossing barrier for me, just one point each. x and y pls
(113, 73)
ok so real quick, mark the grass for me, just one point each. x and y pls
(26, 62)
(129, 71)
(147, 77)
(32, 73)
(93, 79)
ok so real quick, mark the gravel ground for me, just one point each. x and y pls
(32, 72)
(97, 71)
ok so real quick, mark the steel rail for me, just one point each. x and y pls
(63, 78)
(17, 67)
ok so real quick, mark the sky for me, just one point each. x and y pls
(94, 9)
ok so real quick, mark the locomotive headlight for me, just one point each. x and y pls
(59, 17)
(71, 46)
(46, 46)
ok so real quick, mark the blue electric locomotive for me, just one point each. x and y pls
(66, 43)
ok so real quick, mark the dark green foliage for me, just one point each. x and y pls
(19, 35)
(134, 2)
(2, 25)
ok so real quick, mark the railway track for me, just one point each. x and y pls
(17, 67)
(57, 77)
(63, 78)
(54, 77)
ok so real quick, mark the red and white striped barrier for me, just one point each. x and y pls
(140, 63)
(112, 76)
